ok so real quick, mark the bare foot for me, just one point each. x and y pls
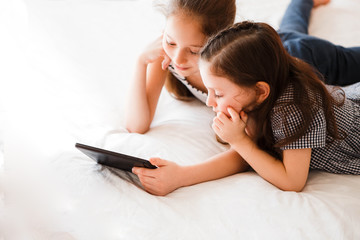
(320, 2)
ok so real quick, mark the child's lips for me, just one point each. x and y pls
(181, 68)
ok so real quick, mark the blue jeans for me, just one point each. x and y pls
(339, 65)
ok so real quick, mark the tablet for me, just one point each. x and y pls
(113, 159)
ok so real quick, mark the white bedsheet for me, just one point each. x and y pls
(65, 71)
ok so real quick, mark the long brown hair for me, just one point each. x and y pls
(248, 52)
(212, 15)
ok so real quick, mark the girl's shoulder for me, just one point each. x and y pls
(308, 96)
(287, 119)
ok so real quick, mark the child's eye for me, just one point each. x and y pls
(194, 53)
(170, 43)
(217, 96)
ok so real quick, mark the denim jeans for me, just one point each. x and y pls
(339, 65)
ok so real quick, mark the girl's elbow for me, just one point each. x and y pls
(137, 128)
(296, 187)
(293, 189)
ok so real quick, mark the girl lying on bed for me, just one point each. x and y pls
(172, 60)
(275, 112)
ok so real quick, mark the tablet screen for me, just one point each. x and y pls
(113, 159)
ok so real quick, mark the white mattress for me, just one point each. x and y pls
(65, 71)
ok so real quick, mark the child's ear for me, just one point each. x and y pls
(262, 90)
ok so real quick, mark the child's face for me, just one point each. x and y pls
(223, 93)
(182, 42)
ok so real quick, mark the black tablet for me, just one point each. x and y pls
(113, 159)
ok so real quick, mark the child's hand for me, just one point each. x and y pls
(161, 181)
(153, 52)
(231, 130)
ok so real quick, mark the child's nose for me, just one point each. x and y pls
(179, 57)
(210, 102)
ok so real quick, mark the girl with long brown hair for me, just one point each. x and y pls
(274, 110)
(172, 59)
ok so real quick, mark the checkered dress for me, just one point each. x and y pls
(340, 156)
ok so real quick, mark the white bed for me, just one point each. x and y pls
(65, 71)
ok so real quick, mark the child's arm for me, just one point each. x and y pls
(170, 176)
(146, 87)
(290, 174)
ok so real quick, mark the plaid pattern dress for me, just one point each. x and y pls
(340, 156)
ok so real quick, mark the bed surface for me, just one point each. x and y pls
(65, 72)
